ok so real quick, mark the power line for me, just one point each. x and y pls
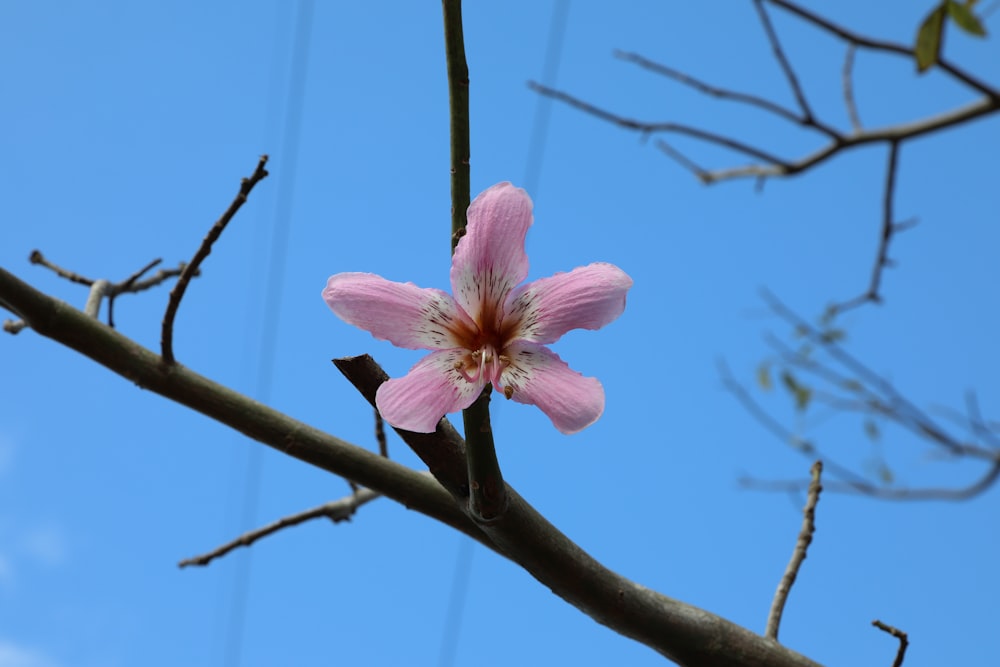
(274, 284)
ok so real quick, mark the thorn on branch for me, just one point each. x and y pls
(798, 554)
(904, 640)
(190, 270)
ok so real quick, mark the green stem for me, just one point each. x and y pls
(458, 110)
(487, 492)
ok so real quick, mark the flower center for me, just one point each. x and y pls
(483, 365)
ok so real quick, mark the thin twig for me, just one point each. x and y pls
(687, 635)
(847, 76)
(709, 89)
(684, 160)
(458, 113)
(98, 291)
(800, 444)
(911, 416)
(36, 257)
(798, 554)
(882, 45)
(177, 293)
(336, 511)
(778, 164)
(904, 641)
(889, 228)
(101, 288)
(880, 492)
(786, 67)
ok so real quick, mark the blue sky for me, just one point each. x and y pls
(127, 129)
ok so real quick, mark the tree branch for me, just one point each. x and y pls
(889, 228)
(683, 633)
(861, 41)
(777, 166)
(786, 67)
(100, 288)
(63, 323)
(837, 379)
(458, 113)
(904, 641)
(335, 510)
(177, 293)
(798, 554)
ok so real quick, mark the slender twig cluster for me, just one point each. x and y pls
(101, 289)
(767, 164)
(822, 371)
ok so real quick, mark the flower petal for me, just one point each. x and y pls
(432, 389)
(490, 259)
(536, 375)
(587, 297)
(402, 313)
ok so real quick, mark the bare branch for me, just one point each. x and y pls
(36, 257)
(530, 540)
(888, 47)
(99, 289)
(714, 91)
(652, 128)
(798, 554)
(847, 76)
(335, 510)
(777, 166)
(786, 67)
(177, 293)
(892, 403)
(849, 386)
(889, 227)
(904, 641)
(882, 492)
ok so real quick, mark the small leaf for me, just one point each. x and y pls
(764, 376)
(801, 393)
(872, 430)
(929, 38)
(802, 398)
(964, 18)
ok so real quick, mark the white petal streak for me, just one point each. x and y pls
(539, 377)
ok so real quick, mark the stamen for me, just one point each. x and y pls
(508, 392)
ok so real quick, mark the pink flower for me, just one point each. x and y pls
(491, 330)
